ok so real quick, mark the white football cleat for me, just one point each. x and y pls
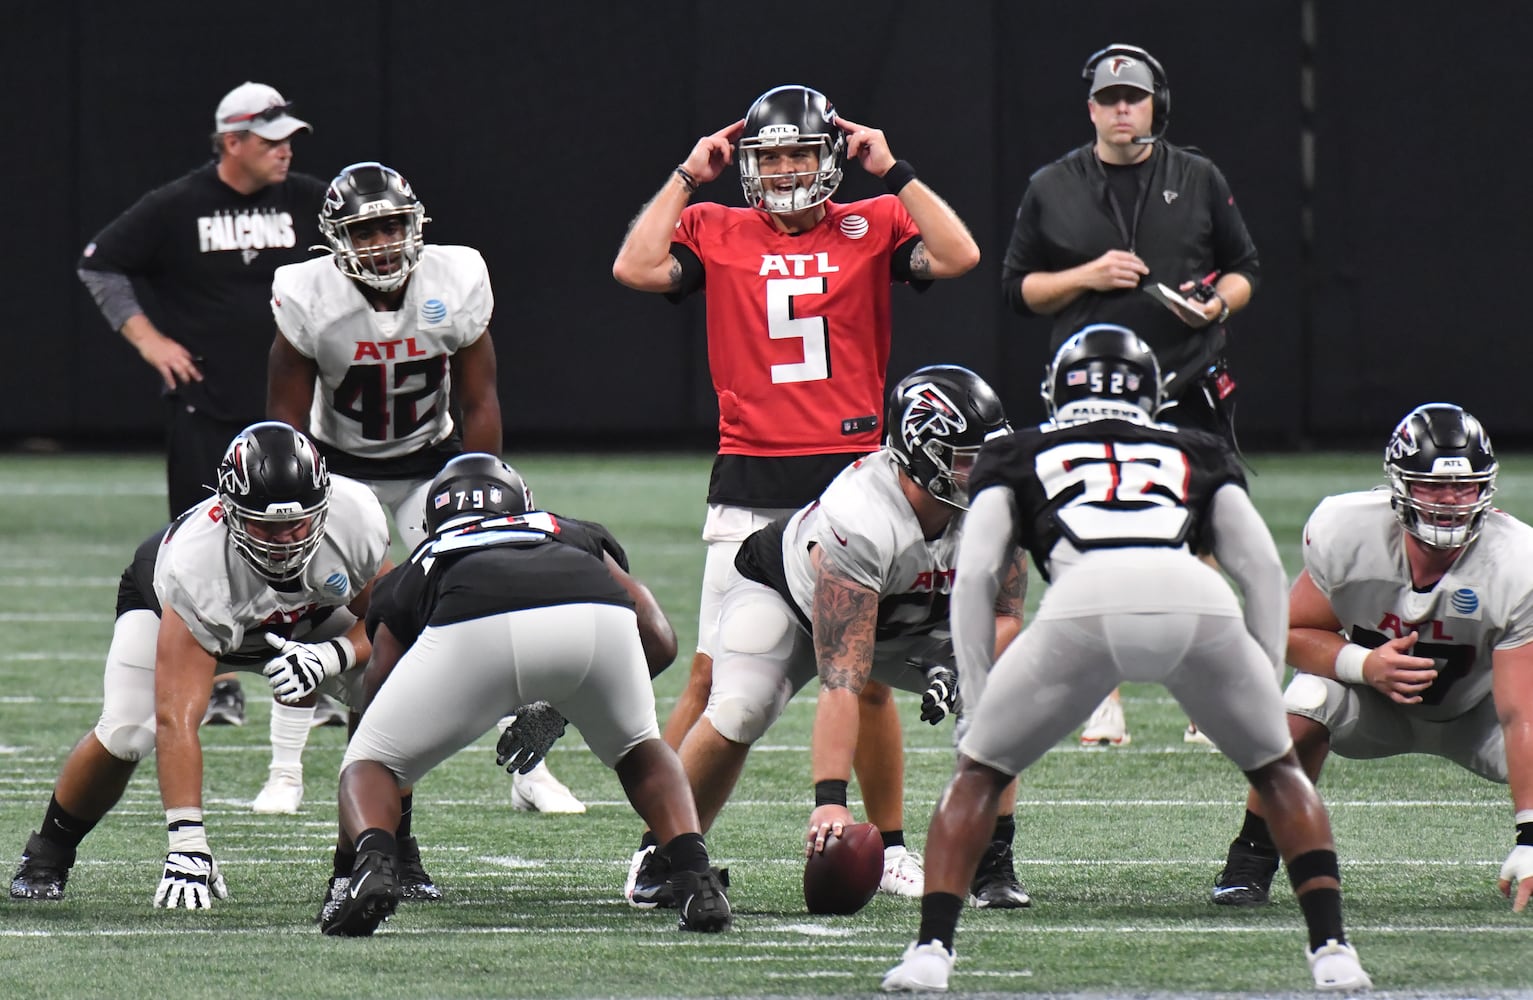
(904, 873)
(1336, 967)
(1106, 727)
(1197, 737)
(282, 795)
(924, 968)
(539, 791)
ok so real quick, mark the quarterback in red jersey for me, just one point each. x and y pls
(798, 311)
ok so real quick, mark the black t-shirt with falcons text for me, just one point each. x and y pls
(532, 560)
(1108, 484)
(201, 256)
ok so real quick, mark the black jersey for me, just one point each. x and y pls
(532, 560)
(1107, 484)
(201, 256)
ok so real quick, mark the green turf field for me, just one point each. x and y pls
(1118, 847)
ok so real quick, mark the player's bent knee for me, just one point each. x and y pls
(740, 720)
(1305, 693)
(127, 743)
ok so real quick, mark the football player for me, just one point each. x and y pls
(374, 345)
(785, 277)
(1412, 628)
(1113, 508)
(271, 574)
(852, 587)
(518, 606)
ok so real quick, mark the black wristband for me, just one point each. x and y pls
(829, 793)
(1524, 834)
(687, 180)
(897, 176)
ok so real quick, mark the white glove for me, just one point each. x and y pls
(1515, 876)
(299, 667)
(941, 697)
(192, 880)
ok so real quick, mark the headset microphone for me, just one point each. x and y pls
(1161, 94)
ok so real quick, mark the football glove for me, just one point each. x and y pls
(192, 880)
(528, 739)
(299, 668)
(1518, 866)
(941, 697)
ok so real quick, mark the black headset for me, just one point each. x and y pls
(1162, 95)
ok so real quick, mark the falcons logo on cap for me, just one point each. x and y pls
(1119, 64)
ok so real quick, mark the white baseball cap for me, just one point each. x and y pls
(255, 107)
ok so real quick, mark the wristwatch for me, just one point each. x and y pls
(1224, 308)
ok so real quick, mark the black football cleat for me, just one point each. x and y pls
(414, 882)
(995, 883)
(335, 895)
(702, 905)
(651, 881)
(1247, 876)
(371, 897)
(43, 870)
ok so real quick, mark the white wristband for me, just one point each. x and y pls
(1349, 663)
(347, 651)
(184, 824)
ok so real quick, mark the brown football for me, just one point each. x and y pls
(844, 876)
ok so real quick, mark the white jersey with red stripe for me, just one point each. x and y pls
(1354, 549)
(228, 607)
(384, 377)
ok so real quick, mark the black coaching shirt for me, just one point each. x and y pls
(1107, 484)
(201, 256)
(533, 560)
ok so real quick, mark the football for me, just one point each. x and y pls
(844, 876)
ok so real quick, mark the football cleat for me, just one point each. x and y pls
(1106, 727)
(335, 895)
(371, 897)
(704, 906)
(647, 886)
(1247, 876)
(43, 870)
(226, 705)
(904, 873)
(995, 883)
(539, 791)
(414, 882)
(1197, 737)
(329, 712)
(1335, 966)
(282, 794)
(924, 968)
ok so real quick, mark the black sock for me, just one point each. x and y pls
(344, 860)
(649, 840)
(1255, 830)
(893, 838)
(1322, 914)
(1005, 829)
(687, 853)
(939, 918)
(406, 805)
(374, 839)
(62, 827)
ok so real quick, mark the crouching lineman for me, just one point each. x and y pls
(1413, 631)
(281, 557)
(1113, 508)
(513, 606)
(852, 587)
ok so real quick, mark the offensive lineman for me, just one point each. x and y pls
(793, 281)
(282, 558)
(1113, 507)
(1412, 626)
(374, 345)
(516, 605)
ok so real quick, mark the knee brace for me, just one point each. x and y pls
(741, 719)
(124, 741)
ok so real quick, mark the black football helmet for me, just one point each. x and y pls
(1440, 444)
(362, 193)
(275, 494)
(472, 487)
(1108, 365)
(791, 116)
(936, 421)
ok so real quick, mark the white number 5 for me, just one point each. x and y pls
(812, 330)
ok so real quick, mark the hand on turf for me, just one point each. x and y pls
(192, 880)
(1517, 870)
(528, 739)
(825, 822)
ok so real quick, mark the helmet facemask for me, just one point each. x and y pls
(280, 541)
(811, 187)
(274, 491)
(382, 265)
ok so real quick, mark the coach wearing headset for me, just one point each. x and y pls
(1102, 229)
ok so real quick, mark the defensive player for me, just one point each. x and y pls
(1412, 626)
(516, 605)
(270, 574)
(798, 314)
(375, 345)
(1113, 508)
(853, 586)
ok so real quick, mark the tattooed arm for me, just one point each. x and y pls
(947, 249)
